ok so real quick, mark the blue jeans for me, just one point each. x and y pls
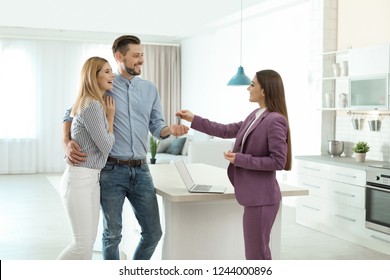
(118, 182)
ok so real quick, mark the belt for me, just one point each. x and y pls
(131, 162)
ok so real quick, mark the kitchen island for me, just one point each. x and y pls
(199, 226)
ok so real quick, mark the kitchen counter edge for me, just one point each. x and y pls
(343, 161)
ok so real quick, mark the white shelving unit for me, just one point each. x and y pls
(334, 78)
(366, 67)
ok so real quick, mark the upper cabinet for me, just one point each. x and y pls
(369, 78)
(357, 79)
(369, 92)
(369, 61)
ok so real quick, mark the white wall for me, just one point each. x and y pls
(280, 41)
(363, 23)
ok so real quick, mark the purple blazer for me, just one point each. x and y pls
(264, 151)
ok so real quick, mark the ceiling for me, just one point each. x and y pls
(161, 21)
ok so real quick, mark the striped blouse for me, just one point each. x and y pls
(90, 130)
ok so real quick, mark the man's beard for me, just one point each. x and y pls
(130, 71)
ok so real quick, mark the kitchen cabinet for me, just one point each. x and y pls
(336, 198)
(356, 79)
(369, 92)
(336, 201)
(369, 61)
(377, 241)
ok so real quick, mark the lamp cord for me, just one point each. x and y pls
(241, 37)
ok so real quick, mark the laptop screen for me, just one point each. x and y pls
(183, 171)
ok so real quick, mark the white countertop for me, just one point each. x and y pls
(341, 161)
(171, 187)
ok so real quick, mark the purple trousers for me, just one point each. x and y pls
(257, 223)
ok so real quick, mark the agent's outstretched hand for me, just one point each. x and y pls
(186, 115)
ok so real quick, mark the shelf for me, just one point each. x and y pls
(335, 109)
(336, 52)
(369, 112)
(351, 111)
(335, 78)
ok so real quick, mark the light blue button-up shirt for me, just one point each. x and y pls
(137, 111)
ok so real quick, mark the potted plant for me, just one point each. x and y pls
(361, 148)
(153, 149)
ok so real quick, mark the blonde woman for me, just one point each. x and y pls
(92, 128)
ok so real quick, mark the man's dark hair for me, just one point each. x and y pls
(121, 44)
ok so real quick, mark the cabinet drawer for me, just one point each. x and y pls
(312, 168)
(347, 175)
(332, 172)
(347, 219)
(315, 185)
(347, 194)
(377, 241)
(312, 209)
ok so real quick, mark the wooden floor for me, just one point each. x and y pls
(33, 226)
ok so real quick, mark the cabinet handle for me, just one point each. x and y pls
(346, 175)
(345, 218)
(343, 193)
(380, 239)
(311, 168)
(311, 186)
(310, 207)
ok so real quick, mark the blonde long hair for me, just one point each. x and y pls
(89, 88)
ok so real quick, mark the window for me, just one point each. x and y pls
(17, 93)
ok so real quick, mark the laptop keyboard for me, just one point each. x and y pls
(202, 188)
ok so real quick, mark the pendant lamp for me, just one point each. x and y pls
(240, 79)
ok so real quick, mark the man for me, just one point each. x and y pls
(126, 174)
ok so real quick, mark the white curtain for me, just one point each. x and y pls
(39, 81)
(162, 66)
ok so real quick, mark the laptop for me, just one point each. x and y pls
(190, 184)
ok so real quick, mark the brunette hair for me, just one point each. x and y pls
(89, 88)
(275, 101)
(121, 44)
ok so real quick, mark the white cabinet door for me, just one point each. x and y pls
(369, 61)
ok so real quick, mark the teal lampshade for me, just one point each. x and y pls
(240, 79)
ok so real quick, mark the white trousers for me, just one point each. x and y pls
(80, 193)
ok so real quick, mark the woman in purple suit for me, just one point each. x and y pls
(262, 147)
